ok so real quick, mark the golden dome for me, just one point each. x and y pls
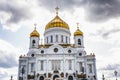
(78, 32)
(34, 33)
(57, 22)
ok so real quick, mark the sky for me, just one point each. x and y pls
(99, 20)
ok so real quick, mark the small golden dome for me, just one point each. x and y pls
(57, 22)
(34, 33)
(78, 32)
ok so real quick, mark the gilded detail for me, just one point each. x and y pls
(57, 22)
(34, 33)
(78, 33)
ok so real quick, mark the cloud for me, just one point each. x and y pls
(111, 67)
(96, 10)
(106, 33)
(8, 55)
(13, 12)
(109, 70)
(5, 73)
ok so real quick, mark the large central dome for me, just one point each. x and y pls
(57, 22)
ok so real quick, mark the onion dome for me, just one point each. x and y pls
(34, 33)
(57, 22)
(78, 32)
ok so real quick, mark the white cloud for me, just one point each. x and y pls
(8, 60)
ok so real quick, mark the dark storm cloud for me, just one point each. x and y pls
(96, 10)
(105, 34)
(17, 12)
(8, 61)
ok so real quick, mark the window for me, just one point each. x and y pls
(90, 68)
(70, 64)
(51, 39)
(79, 42)
(55, 64)
(80, 66)
(66, 39)
(56, 50)
(70, 78)
(32, 67)
(33, 43)
(56, 38)
(23, 69)
(41, 78)
(42, 65)
(80, 54)
(61, 38)
(69, 51)
(47, 39)
(42, 51)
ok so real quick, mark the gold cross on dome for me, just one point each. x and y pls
(35, 26)
(57, 10)
(77, 25)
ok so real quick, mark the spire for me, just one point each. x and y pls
(34, 33)
(57, 10)
(78, 32)
(35, 26)
(77, 25)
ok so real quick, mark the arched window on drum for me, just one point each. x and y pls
(79, 41)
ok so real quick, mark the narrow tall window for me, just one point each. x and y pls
(90, 68)
(32, 67)
(56, 65)
(56, 38)
(33, 43)
(79, 42)
(47, 39)
(41, 65)
(70, 64)
(80, 66)
(51, 39)
(61, 38)
(66, 39)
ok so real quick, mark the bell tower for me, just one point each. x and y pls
(78, 37)
(34, 38)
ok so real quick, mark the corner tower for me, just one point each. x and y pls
(34, 39)
(78, 37)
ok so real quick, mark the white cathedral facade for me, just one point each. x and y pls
(57, 58)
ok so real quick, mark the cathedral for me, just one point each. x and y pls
(57, 58)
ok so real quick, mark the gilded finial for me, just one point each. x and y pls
(57, 10)
(35, 26)
(77, 25)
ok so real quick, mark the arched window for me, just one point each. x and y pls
(79, 42)
(33, 43)
(66, 39)
(90, 68)
(51, 39)
(70, 64)
(70, 78)
(41, 78)
(42, 63)
(56, 38)
(61, 38)
(47, 39)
